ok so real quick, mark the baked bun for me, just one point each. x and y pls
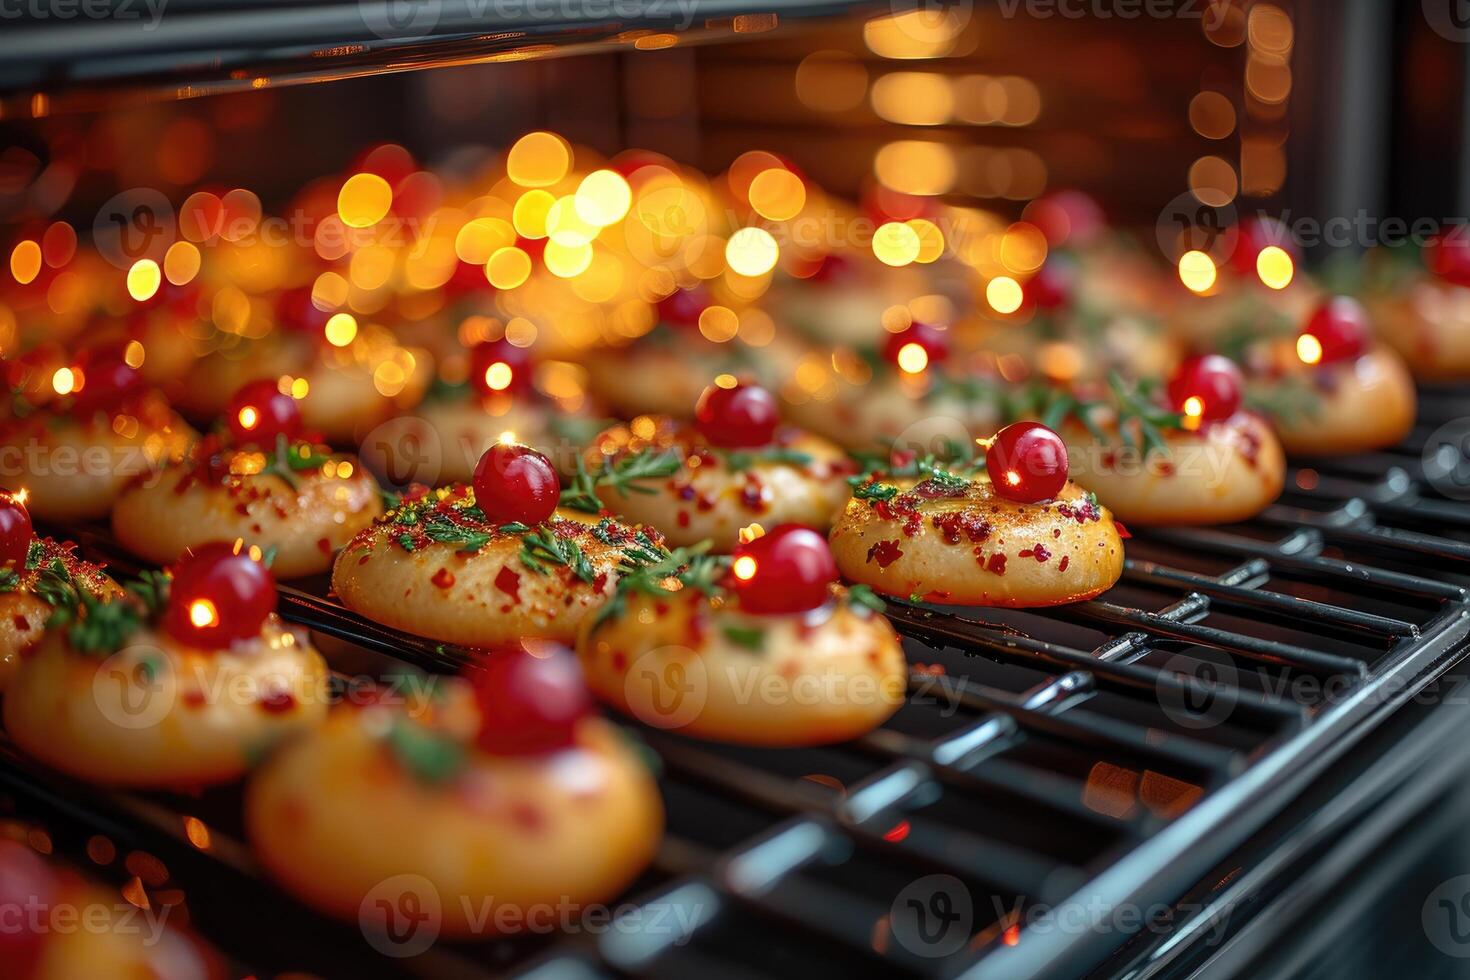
(700, 665)
(434, 566)
(1223, 472)
(158, 713)
(74, 464)
(298, 500)
(955, 541)
(559, 810)
(702, 493)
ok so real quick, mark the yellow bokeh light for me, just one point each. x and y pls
(477, 240)
(181, 262)
(931, 240)
(752, 252)
(249, 418)
(896, 244)
(777, 194)
(508, 268)
(1197, 271)
(25, 261)
(1275, 267)
(744, 568)
(364, 200)
(341, 329)
(603, 198)
(1004, 294)
(565, 261)
(133, 354)
(913, 358)
(1194, 406)
(916, 167)
(1309, 349)
(203, 614)
(64, 381)
(144, 278)
(530, 213)
(565, 226)
(719, 324)
(538, 159)
(498, 376)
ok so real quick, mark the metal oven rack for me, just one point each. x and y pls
(1051, 770)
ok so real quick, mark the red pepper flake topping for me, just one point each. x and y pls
(958, 525)
(324, 545)
(443, 578)
(509, 582)
(1038, 552)
(1081, 513)
(22, 625)
(885, 553)
(1122, 531)
(997, 564)
(1066, 560)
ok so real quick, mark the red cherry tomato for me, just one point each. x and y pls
(682, 307)
(741, 417)
(500, 366)
(218, 596)
(787, 570)
(1027, 463)
(1448, 256)
(516, 484)
(108, 382)
(1208, 388)
(1253, 236)
(16, 532)
(260, 411)
(529, 702)
(1067, 217)
(1053, 286)
(29, 890)
(1340, 329)
(930, 340)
